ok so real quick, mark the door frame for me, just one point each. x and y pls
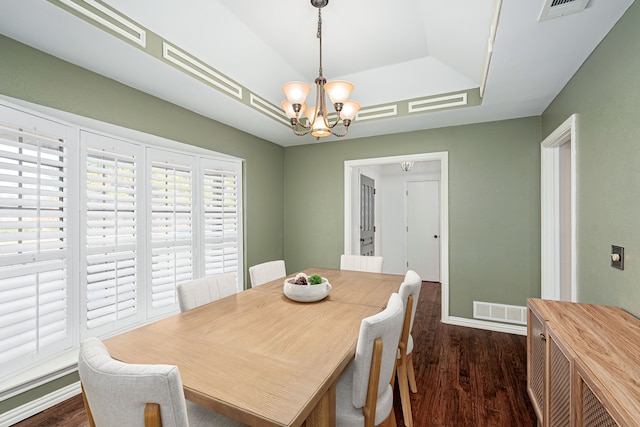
(443, 158)
(550, 173)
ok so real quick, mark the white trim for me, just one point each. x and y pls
(550, 197)
(142, 34)
(431, 103)
(34, 407)
(497, 7)
(489, 326)
(364, 114)
(443, 158)
(199, 69)
(268, 109)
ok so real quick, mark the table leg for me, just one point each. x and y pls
(324, 414)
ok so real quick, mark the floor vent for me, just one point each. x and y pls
(556, 8)
(500, 312)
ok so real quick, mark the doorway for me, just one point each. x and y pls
(351, 209)
(558, 180)
(367, 216)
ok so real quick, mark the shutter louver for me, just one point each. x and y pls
(111, 233)
(33, 245)
(221, 221)
(171, 230)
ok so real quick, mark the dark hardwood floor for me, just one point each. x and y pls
(466, 377)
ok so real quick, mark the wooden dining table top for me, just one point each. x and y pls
(259, 357)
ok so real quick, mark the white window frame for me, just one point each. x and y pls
(18, 379)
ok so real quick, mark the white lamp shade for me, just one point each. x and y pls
(318, 126)
(310, 113)
(349, 110)
(289, 111)
(406, 166)
(296, 92)
(338, 91)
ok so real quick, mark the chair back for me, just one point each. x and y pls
(117, 393)
(411, 286)
(266, 272)
(197, 292)
(386, 327)
(372, 264)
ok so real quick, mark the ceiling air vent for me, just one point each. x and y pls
(557, 8)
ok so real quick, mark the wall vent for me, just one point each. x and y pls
(500, 312)
(556, 8)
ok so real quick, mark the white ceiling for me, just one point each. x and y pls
(391, 51)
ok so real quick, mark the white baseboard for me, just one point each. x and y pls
(490, 326)
(27, 410)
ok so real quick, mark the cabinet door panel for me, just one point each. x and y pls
(536, 364)
(559, 385)
(594, 414)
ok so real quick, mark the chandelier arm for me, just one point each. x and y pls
(340, 135)
(300, 133)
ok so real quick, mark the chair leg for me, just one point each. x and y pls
(92, 423)
(392, 418)
(403, 386)
(412, 374)
(152, 415)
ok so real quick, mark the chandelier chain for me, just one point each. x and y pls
(319, 36)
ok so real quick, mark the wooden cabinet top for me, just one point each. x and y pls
(605, 342)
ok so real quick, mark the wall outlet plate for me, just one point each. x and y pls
(619, 262)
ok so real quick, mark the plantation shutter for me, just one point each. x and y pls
(222, 218)
(111, 232)
(34, 316)
(171, 225)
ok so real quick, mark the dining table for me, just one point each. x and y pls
(259, 357)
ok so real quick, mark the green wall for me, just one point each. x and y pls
(494, 205)
(34, 76)
(605, 94)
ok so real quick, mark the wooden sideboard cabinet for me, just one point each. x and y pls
(583, 364)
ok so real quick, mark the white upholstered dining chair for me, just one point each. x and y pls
(201, 291)
(409, 293)
(118, 394)
(371, 264)
(266, 272)
(364, 395)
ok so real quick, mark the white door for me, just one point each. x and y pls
(423, 229)
(367, 223)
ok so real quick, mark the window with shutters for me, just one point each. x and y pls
(34, 240)
(171, 207)
(221, 217)
(111, 232)
(96, 232)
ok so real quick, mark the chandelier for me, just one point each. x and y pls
(318, 123)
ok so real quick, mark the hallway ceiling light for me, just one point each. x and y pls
(406, 166)
(318, 123)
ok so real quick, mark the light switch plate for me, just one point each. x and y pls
(620, 262)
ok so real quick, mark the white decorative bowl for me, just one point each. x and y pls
(306, 293)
